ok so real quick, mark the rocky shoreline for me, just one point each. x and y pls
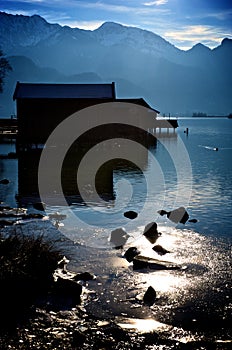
(77, 330)
(67, 316)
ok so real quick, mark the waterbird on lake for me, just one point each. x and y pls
(210, 148)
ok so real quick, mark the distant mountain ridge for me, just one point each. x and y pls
(141, 63)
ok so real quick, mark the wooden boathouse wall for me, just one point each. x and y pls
(41, 107)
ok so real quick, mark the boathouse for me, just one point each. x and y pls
(41, 107)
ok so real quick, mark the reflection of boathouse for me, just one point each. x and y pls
(42, 107)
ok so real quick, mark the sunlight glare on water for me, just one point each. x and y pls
(200, 289)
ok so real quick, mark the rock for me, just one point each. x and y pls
(131, 253)
(39, 206)
(78, 339)
(62, 264)
(130, 214)
(114, 331)
(84, 276)
(118, 238)
(149, 296)
(176, 215)
(4, 181)
(143, 262)
(6, 223)
(160, 250)
(67, 288)
(151, 233)
(139, 264)
(162, 212)
(193, 220)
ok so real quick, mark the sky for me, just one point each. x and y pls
(183, 23)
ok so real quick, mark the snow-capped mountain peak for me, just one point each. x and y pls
(110, 34)
(23, 30)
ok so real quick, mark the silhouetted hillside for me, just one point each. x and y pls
(140, 62)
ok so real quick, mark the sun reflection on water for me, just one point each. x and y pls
(202, 264)
(142, 325)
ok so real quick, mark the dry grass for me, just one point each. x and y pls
(27, 264)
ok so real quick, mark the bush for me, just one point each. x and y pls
(27, 264)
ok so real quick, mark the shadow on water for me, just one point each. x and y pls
(28, 162)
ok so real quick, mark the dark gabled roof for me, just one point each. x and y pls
(138, 101)
(55, 91)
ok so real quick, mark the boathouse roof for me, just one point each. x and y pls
(139, 101)
(58, 91)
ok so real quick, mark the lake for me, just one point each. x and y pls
(191, 169)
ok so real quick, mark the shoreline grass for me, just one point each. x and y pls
(27, 264)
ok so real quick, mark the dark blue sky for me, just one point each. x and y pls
(181, 22)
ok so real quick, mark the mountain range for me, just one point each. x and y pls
(141, 63)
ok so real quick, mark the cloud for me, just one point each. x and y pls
(114, 8)
(102, 6)
(187, 36)
(36, 2)
(155, 3)
(221, 15)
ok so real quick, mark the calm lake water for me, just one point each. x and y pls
(179, 170)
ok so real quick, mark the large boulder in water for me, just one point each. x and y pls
(160, 250)
(143, 262)
(151, 232)
(131, 253)
(178, 215)
(149, 296)
(130, 214)
(119, 237)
